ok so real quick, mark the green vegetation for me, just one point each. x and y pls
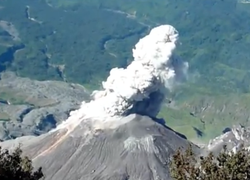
(11, 97)
(15, 167)
(210, 114)
(74, 38)
(227, 165)
(4, 117)
(15, 97)
(182, 121)
(81, 40)
(214, 37)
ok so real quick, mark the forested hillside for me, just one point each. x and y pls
(81, 40)
(74, 41)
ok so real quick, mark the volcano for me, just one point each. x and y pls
(116, 136)
(140, 148)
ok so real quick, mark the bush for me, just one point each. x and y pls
(226, 166)
(15, 167)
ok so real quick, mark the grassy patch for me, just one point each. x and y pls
(181, 121)
(12, 96)
(4, 117)
(210, 114)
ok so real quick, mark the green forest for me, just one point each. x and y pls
(81, 40)
(88, 38)
(74, 38)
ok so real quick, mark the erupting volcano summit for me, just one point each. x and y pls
(112, 137)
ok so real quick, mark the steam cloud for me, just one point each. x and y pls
(141, 87)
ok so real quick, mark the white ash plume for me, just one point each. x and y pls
(140, 87)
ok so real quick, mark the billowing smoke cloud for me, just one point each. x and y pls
(141, 87)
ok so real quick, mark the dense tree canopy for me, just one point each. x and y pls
(226, 166)
(91, 37)
(81, 39)
(15, 167)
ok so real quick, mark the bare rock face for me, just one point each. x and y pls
(233, 138)
(138, 149)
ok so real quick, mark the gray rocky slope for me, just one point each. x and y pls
(140, 148)
(233, 138)
(30, 107)
(137, 148)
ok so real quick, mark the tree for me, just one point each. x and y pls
(15, 167)
(226, 166)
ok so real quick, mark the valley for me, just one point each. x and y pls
(85, 39)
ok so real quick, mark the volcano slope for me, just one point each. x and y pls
(140, 148)
(106, 138)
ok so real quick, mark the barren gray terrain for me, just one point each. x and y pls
(138, 149)
(29, 107)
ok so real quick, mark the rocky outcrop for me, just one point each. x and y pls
(233, 138)
(30, 107)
